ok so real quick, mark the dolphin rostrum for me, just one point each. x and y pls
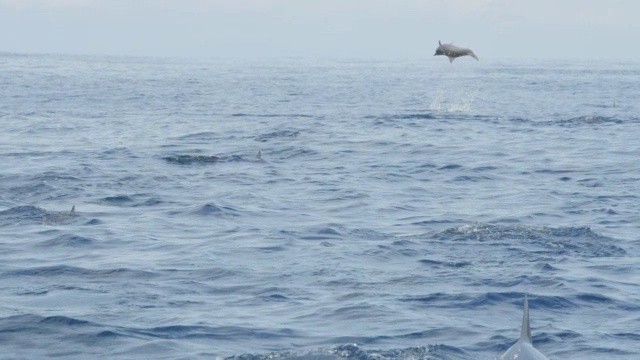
(451, 51)
(523, 349)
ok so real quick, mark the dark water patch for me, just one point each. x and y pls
(192, 159)
(401, 120)
(403, 242)
(553, 171)
(546, 267)
(602, 106)
(118, 200)
(293, 116)
(151, 202)
(63, 321)
(277, 135)
(292, 152)
(564, 240)
(274, 298)
(184, 159)
(589, 120)
(51, 176)
(22, 214)
(557, 303)
(134, 200)
(434, 222)
(78, 272)
(214, 210)
(393, 252)
(594, 298)
(206, 275)
(234, 333)
(326, 233)
(119, 151)
(354, 352)
(67, 240)
(110, 334)
(441, 300)
(422, 168)
(438, 300)
(494, 298)
(206, 136)
(626, 336)
(450, 167)
(444, 264)
(425, 116)
(468, 178)
(484, 168)
(270, 249)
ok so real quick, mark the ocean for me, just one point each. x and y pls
(317, 208)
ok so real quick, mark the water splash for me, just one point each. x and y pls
(460, 100)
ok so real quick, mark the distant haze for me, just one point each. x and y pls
(376, 29)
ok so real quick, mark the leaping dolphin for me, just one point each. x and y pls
(523, 349)
(451, 51)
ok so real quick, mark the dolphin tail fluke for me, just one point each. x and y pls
(525, 335)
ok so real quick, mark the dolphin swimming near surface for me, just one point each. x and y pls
(451, 51)
(523, 349)
(60, 217)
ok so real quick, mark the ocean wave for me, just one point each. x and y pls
(589, 120)
(135, 200)
(277, 134)
(184, 159)
(205, 135)
(353, 351)
(273, 115)
(67, 240)
(212, 209)
(563, 240)
(78, 272)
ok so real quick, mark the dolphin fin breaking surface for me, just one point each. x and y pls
(523, 349)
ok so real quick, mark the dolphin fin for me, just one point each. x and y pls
(525, 334)
(473, 55)
(259, 155)
(451, 58)
(73, 210)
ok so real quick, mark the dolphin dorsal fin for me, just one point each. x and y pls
(73, 210)
(439, 43)
(525, 335)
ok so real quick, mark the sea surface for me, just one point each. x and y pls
(396, 209)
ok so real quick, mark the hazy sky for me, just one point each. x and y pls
(323, 28)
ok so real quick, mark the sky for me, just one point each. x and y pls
(366, 29)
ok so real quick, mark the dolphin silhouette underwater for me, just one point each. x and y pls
(523, 349)
(451, 51)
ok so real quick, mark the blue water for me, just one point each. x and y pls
(399, 210)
